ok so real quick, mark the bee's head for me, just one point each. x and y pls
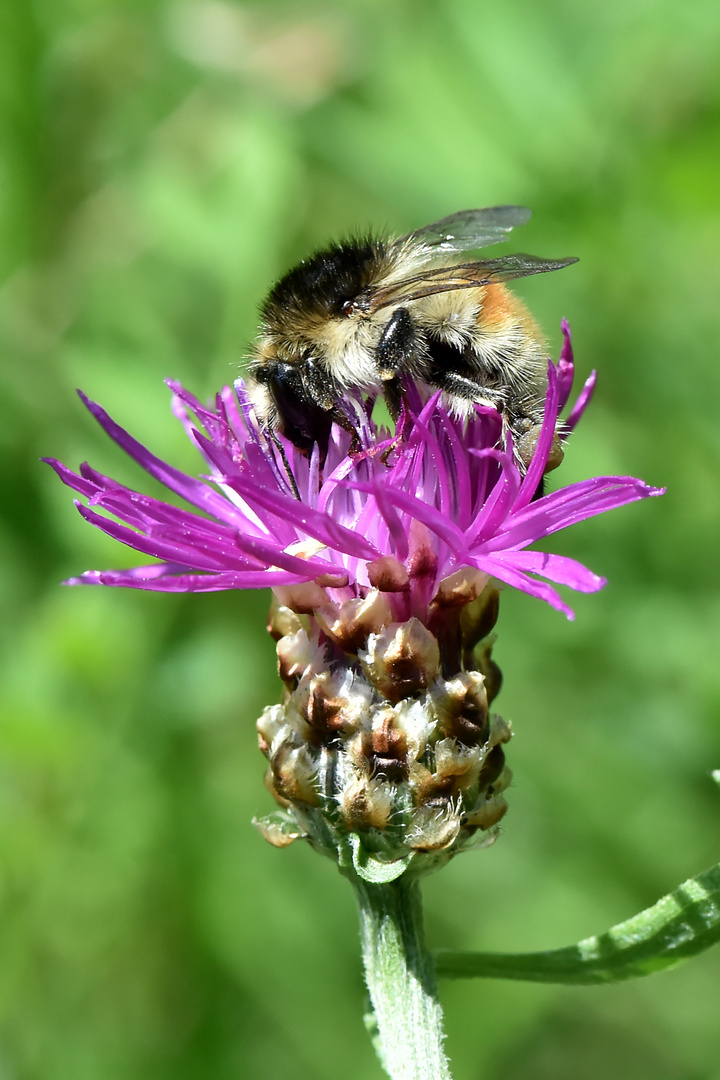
(326, 285)
(303, 362)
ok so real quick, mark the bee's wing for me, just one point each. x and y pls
(469, 230)
(474, 275)
(508, 267)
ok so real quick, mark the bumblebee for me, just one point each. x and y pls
(365, 314)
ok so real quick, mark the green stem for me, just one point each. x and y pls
(680, 925)
(401, 981)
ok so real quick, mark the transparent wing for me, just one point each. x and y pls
(508, 267)
(469, 230)
(474, 275)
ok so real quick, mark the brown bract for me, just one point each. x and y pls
(385, 733)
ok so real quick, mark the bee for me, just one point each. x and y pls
(365, 314)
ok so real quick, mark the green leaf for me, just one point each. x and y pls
(680, 925)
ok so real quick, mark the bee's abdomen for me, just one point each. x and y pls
(482, 345)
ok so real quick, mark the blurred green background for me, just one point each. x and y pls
(163, 161)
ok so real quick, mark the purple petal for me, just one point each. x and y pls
(440, 494)
(503, 570)
(459, 472)
(312, 522)
(428, 515)
(584, 399)
(77, 483)
(568, 506)
(398, 534)
(534, 475)
(497, 506)
(271, 555)
(565, 367)
(172, 582)
(193, 491)
(172, 549)
(558, 568)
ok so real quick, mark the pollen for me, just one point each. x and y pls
(305, 549)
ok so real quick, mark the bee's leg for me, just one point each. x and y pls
(339, 417)
(398, 352)
(468, 389)
(525, 432)
(393, 394)
(526, 444)
(317, 404)
(392, 391)
(398, 346)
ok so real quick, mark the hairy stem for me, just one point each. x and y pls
(401, 981)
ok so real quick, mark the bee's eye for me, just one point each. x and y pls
(348, 308)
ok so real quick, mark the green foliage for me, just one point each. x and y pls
(163, 162)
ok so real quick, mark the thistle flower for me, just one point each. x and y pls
(384, 560)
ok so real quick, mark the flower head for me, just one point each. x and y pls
(403, 514)
(383, 555)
